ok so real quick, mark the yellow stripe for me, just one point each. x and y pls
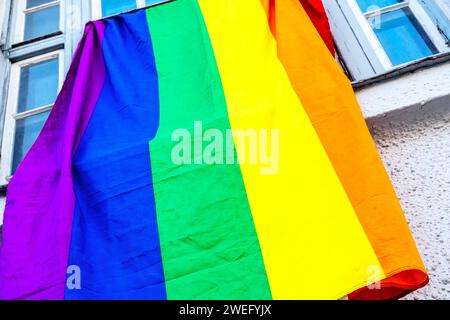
(312, 242)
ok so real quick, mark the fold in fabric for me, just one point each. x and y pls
(115, 239)
(318, 16)
(40, 199)
(330, 102)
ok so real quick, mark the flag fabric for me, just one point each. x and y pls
(317, 14)
(328, 98)
(142, 186)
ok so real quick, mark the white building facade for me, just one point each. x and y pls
(396, 52)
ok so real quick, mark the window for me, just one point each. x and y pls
(34, 49)
(106, 8)
(395, 23)
(376, 36)
(34, 84)
(38, 42)
(37, 18)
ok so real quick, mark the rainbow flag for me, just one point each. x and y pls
(179, 163)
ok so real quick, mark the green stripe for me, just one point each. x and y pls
(209, 245)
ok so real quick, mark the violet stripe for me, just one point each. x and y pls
(40, 200)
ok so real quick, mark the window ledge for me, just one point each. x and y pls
(36, 40)
(402, 70)
(413, 88)
(34, 48)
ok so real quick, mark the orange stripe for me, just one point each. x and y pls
(330, 102)
(312, 242)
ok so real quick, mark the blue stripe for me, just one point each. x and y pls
(115, 239)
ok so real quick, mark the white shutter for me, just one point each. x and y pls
(4, 8)
(445, 6)
(439, 11)
(348, 42)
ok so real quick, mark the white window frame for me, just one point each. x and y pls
(3, 19)
(12, 116)
(2, 9)
(21, 11)
(372, 41)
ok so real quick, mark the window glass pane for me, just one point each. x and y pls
(402, 37)
(369, 5)
(110, 7)
(27, 131)
(42, 22)
(38, 85)
(35, 3)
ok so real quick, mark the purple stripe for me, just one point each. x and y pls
(40, 201)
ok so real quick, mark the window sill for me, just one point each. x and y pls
(413, 89)
(35, 40)
(403, 70)
(26, 50)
